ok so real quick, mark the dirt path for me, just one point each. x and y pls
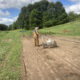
(61, 63)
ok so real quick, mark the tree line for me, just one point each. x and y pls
(42, 14)
(3, 27)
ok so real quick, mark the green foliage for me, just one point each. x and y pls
(3, 27)
(73, 16)
(50, 23)
(42, 14)
(63, 19)
(35, 19)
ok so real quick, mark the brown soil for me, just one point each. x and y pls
(60, 63)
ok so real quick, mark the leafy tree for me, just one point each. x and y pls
(49, 15)
(42, 14)
(72, 16)
(41, 6)
(3, 27)
(60, 13)
(35, 19)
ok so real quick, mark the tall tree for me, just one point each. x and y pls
(60, 13)
(72, 16)
(49, 15)
(42, 14)
(35, 19)
(3, 27)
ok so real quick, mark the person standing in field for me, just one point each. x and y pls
(36, 36)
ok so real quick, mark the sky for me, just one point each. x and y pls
(10, 9)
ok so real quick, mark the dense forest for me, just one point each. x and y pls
(42, 14)
(3, 27)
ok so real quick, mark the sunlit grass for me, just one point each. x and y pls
(10, 52)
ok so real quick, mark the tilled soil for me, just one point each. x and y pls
(60, 63)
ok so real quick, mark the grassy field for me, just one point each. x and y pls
(68, 29)
(10, 51)
(10, 47)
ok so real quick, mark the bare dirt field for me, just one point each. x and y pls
(60, 63)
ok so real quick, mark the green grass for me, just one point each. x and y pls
(69, 29)
(10, 52)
